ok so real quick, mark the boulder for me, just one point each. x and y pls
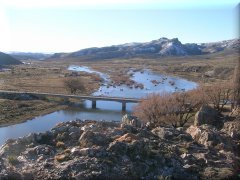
(232, 128)
(206, 115)
(89, 138)
(210, 137)
(127, 138)
(118, 147)
(165, 133)
(131, 120)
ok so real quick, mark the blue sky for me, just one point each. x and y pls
(71, 25)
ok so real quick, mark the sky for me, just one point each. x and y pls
(71, 25)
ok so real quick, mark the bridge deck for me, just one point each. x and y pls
(91, 98)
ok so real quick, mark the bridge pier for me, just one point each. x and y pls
(124, 106)
(94, 104)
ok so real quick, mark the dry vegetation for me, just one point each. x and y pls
(74, 85)
(43, 77)
(172, 109)
(178, 108)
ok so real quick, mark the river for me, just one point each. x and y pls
(108, 111)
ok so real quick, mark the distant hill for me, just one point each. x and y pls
(6, 59)
(157, 48)
(29, 56)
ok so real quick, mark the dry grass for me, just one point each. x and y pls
(39, 78)
(219, 65)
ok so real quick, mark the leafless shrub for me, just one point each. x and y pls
(218, 95)
(74, 85)
(175, 109)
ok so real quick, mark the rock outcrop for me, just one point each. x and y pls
(206, 115)
(131, 120)
(108, 150)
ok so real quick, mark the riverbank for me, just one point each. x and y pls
(19, 111)
(108, 150)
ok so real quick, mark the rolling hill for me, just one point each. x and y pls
(6, 59)
(29, 56)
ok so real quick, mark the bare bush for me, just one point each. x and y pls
(174, 109)
(218, 95)
(74, 85)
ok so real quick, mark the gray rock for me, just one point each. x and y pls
(165, 133)
(232, 128)
(206, 115)
(89, 138)
(210, 137)
(118, 147)
(131, 120)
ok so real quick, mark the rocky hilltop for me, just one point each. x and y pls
(157, 48)
(109, 150)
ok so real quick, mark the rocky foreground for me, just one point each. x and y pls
(109, 150)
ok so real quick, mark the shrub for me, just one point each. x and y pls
(175, 109)
(74, 85)
(218, 95)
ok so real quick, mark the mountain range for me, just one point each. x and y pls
(162, 47)
(157, 48)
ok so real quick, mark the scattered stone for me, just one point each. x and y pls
(106, 150)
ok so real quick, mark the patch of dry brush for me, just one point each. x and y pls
(175, 109)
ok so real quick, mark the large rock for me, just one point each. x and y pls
(232, 128)
(89, 138)
(206, 115)
(210, 137)
(165, 133)
(131, 120)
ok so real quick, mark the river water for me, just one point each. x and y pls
(108, 111)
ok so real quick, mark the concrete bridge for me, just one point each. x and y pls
(94, 99)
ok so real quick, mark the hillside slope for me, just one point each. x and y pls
(29, 56)
(6, 59)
